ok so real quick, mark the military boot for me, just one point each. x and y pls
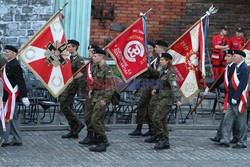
(137, 131)
(101, 146)
(70, 135)
(151, 139)
(88, 140)
(149, 132)
(163, 143)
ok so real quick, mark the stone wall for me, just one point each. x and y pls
(20, 19)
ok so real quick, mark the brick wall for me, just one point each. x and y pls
(19, 19)
(170, 18)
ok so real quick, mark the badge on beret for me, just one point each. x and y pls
(174, 83)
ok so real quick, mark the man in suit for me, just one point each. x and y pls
(225, 78)
(237, 99)
(14, 88)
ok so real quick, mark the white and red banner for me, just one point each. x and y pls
(246, 49)
(45, 55)
(244, 95)
(9, 105)
(129, 51)
(89, 76)
(189, 60)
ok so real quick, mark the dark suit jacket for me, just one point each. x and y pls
(15, 75)
(242, 74)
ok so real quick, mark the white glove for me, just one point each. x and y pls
(234, 101)
(206, 90)
(26, 101)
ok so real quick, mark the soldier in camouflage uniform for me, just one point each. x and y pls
(160, 48)
(100, 95)
(166, 97)
(90, 138)
(67, 97)
(142, 108)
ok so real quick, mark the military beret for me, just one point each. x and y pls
(151, 43)
(239, 52)
(12, 48)
(72, 41)
(99, 51)
(93, 47)
(167, 56)
(228, 52)
(240, 30)
(223, 27)
(161, 43)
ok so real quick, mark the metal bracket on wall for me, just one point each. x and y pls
(98, 13)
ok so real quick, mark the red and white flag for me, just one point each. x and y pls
(89, 76)
(246, 49)
(129, 51)
(244, 95)
(9, 105)
(45, 55)
(189, 60)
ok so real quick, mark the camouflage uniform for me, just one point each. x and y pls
(165, 98)
(67, 97)
(102, 89)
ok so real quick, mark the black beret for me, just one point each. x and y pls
(99, 51)
(93, 47)
(223, 27)
(12, 48)
(161, 43)
(167, 56)
(72, 41)
(228, 52)
(240, 29)
(151, 43)
(239, 52)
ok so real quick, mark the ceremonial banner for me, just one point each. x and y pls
(189, 59)
(45, 55)
(129, 51)
(246, 49)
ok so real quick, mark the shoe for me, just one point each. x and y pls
(162, 144)
(70, 135)
(11, 144)
(215, 139)
(148, 133)
(16, 144)
(234, 140)
(101, 146)
(89, 139)
(79, 128)
(136, 132)
(237, 146)
(222, 144)
(152, 139)
(1, 142)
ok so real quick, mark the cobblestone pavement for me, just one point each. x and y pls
(189, 148)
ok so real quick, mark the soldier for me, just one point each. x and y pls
(142, 114)
(90, 138)
(14, 84)
(237, 41)
(166, 97)
(220, 43)
(100, 94)
(67, 97)
(237, 99)
(225, 78)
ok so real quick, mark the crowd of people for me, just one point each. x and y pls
(154, 104)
